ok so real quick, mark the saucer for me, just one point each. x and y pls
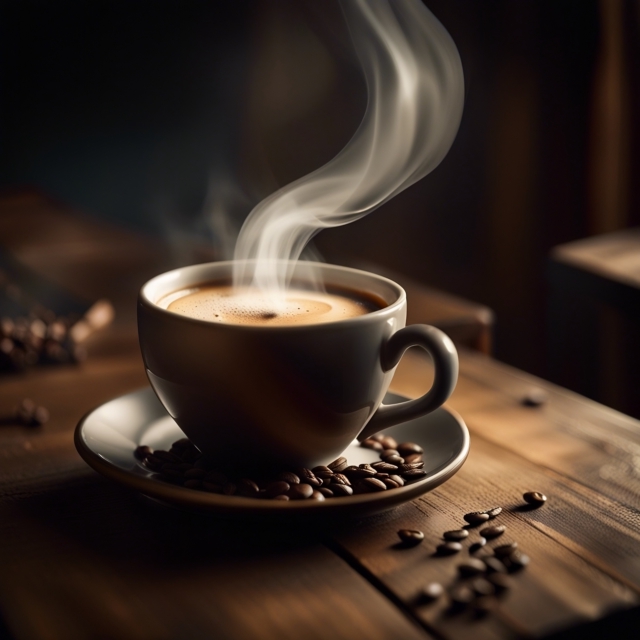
(107, 437)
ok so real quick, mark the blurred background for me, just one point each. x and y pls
(175, 118)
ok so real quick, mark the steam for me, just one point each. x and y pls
(415, 97)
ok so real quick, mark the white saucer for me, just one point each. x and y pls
(107, 437)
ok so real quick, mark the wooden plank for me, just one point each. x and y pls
(582, 549)
(84, 558)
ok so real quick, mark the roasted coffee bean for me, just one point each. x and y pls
(457, 535)
(476, 517)
(171, 471)
(166, 456)
(411, 536)
(408, 448)
(369, 443)
(211, 487)
(505, 549)
(388, 452)
(535, 398)
(338, 465)
(282, 497)
(339, 478)
(448, 548)
(534, 498)
(307, 476)
(229, 488)
(300, 491)
(340, 490)
(153, 463)
(515, 561)
(494, 565)
(247, 488)
(192, 483)
(461, 596)
(390, 484)
(384, 467)
(482, 587)
(500, 581)
(388, 442)
(142, 452)
(196, 474)
(277, 488)
(410, 466)
(399, 480)
(322, 472)
(364, 471)
(432, 591)
(477, 545)
(471, 567)
(319, 497)
(381, 476)
(326, 492)
(492, 513)
(289, 477)
(414, 475)
(493, 531)
(378, 437)
(414, 457)
(350, 469)
(372, 484)
(183, 443)
(394, 459)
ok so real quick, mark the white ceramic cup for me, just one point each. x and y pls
(295, 395)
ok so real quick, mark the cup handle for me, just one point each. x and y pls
(445, 359)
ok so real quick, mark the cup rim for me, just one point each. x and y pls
(374, 316)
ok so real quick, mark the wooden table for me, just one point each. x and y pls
(82, 557)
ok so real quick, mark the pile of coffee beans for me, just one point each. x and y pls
(184, 465)
(40, 338)
(27, 414)
(483, 576)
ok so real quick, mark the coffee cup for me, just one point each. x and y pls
(293, 394)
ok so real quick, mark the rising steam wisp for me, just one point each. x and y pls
(415, 97)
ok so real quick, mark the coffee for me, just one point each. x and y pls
(224, 304)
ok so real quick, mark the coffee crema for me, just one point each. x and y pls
(224, 304)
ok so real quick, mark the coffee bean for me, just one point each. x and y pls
(378, 437)
(142, 452)
(505, 549)
(339, 478)
(289, 477)
(197, 474)
(397, 479)
(457, 535)
(432, 591)
(461, 596)
(364, 471)
(448, 548)
(300, 491)
(384, 467)
(338, 465)
(372, 484)
(393, 459)
(407, 448)
(500, 581)
(534, 498)
(322, 472)
(319, 497)
(247, 488)
(170, 471)
(515, 561)
(212, 488)
(477, 545)
(166, 456)
(381, 476)
(482, 587)
(476, 517)
(388, 442)
(414, 457)
(471, 567)
(277, 488)
(414, 475)
(387, 452)
(326, 492)
(411, 536)
(390, 484)
(192, 483)
(340, 490)
(229, 488)
(493, 532)
(410, 466)
(350, 469)
(308, 477)
(494, 565)
(535, 398)
(492, 513)
(155, 464)
(369, 443)
(282, 497)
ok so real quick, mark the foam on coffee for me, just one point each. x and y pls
(251, 307)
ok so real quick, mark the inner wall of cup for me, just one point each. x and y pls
(341, 277)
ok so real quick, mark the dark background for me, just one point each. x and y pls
(158, 114)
